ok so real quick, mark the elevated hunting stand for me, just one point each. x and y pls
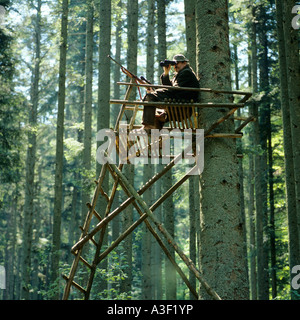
(179, 118)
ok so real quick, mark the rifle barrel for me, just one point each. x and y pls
(110, 57)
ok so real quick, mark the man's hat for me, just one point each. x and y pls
(180, 58)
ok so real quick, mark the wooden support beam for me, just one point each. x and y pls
(246, 97)
(156, 236)
(160, 242)
(91, 239)
(85, 231)
(180, 104)
(128, 201)
(240, 118)
(249, 119)
(158, 239)
(165, 233)
(84, 262)
(104, 194)
(101, 237)
(225, 135)
(219, 121)
(73, 283)
(124, 205)
(96, 214)
(158, 86)
(122, 110)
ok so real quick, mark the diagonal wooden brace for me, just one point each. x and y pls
(126, 203)
(150, 228)
(165, 233)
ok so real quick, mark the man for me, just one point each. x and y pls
(184, 77)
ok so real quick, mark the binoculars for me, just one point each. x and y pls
(167, 63)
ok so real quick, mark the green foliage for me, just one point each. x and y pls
(74, 148)
(10, 108)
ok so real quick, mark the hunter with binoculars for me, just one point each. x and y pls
(184, 77)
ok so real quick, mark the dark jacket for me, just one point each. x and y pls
(184, 78)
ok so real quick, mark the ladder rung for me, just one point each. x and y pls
(94, 242)
(84, 261)
(240, 118)
(97, 215)
(133, 108)
(76, 285)
(224, 135)
(249, 119)
(104, 194)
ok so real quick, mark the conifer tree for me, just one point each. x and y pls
(222, 253)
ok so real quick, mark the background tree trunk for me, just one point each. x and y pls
(290, 104)
(148, 261)
(103, 114)
(59, 151)
(132, 38)
(88, 99)
(251, 191)
(293, 77)
(262, 174)
(31, 158)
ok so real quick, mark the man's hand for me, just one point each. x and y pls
(167, 69)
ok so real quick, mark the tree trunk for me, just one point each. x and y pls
(87, 140)
(293, 222)
(150, 41)
(103, 113)
(222, 253)
(168, 206)
(190, 23)
(147, 265)
(31, 160)
(132, 36)
(272, 220)
(252, 242)
(293, 77)
(258, 176)
(59, 151)
(240, 161)
(148, 170)
(193, 192)
(161, 29)
(162, 53)
(251, 206)
(116, 225)
(168, 211)
(117, 71)
(190, 27)
(264, 126)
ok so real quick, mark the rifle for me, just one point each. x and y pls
(140, 80)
